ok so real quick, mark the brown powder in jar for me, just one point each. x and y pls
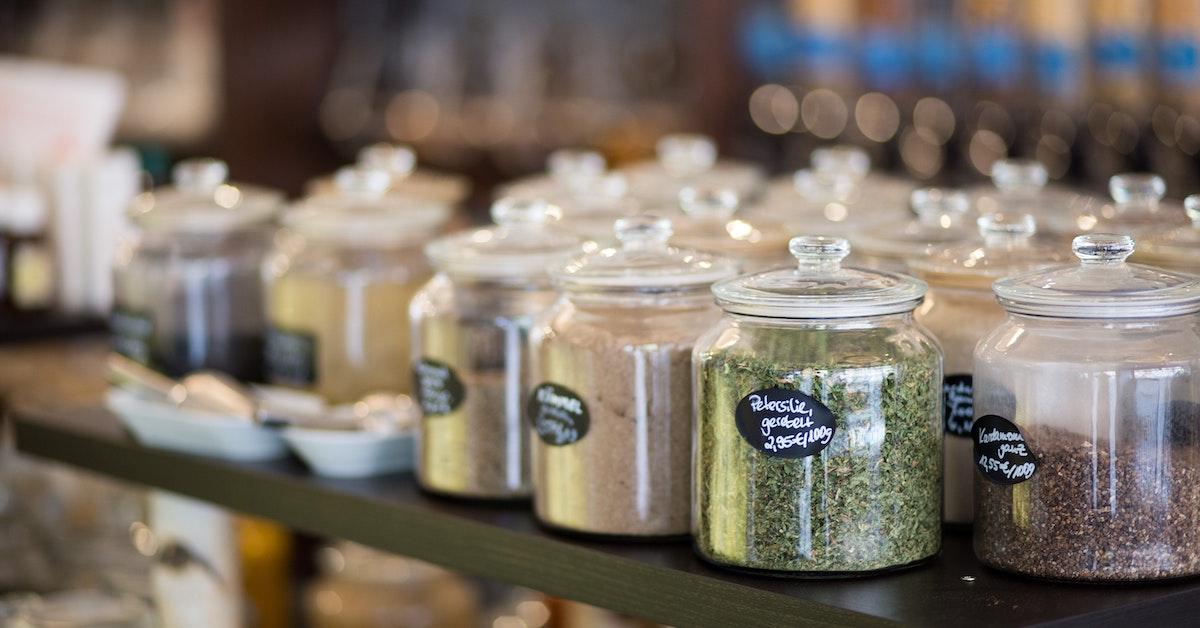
(1090, 513)
(630, 473)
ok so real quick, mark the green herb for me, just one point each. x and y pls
(871, 499)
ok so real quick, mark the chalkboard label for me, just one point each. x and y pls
(133, 334)
(958, 403)
(559, 416)
(291, 357)
(439, 390)
(785, 423)
(1001, 452)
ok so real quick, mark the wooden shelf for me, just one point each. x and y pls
(664, 582)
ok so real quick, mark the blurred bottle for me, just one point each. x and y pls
(929, 143)
(1175, 121)
(1056, 42)
(886, 43)
(1121, 89)
(992, 123)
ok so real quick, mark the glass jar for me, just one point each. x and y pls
(339, 284)
(1137, 207)
(1177, 248)
(567, 172)
(187, 291)
(612, 407)
(470, 327)
(710, 220)
(1086, 414)
(686, 160)
(838, 194)
(941, 222)
(818, 421)
(406, 180)
(960, 309)
(1019, 186)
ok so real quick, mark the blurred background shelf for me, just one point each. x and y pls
(62, 419)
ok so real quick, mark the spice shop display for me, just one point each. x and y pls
(941, 222)
(611, 404)
(710, 220)
(960, 309)
(1177, 248)
(470, 327)
(1086, 413)
(687, 160)
(818, 421)
(188, 294)
(339, 284)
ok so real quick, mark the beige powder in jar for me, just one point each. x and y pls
(629, 474)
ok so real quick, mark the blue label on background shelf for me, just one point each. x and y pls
(785, 423)
(958, 404)
(559, 416)
(1001, 453)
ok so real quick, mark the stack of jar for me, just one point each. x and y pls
(612, 365)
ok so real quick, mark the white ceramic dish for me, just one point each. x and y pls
(167, 426)
(352, 454)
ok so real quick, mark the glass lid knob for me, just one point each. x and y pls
(569, 164)
(395, 159)
(1191, 205)
(940, 205)
(686, 154)
(1102, 248)
(360, 181)
(819, 252)
(642, 232)
(1019, 175)
(702, 203)
(1007, 225)
(843, 158)
(200, 175)
(1135, 188)
(517, 211)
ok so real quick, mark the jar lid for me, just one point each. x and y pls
(523, 243)
(840, 189)
(201, 200)
(1021, 186)
(399, 161)
(568, 171)
(1179, 246)
(685, 160)
(361, 211)
(1102, 285)
(819, 287)
(1008, 248)
(1137, 207)
(711, 221)
(940, 222)
(643, 262)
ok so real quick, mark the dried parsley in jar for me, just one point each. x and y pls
(819, 428)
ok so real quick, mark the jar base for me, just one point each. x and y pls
(610, 537)
(477, 500)
(816, 575)
(1116, 583)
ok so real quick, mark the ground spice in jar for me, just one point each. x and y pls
(630, 474)
(870, 500)
(1095, 512)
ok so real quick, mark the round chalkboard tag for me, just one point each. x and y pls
(958, 404)
(439, 390)
(785, 423)
(1001, 453)
(559, 416)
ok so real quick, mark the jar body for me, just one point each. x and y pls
(337, 317)
(186, 302)
(470, 354)
(626, 470)
(958, 317)
(1108, 409)
(871, 498)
